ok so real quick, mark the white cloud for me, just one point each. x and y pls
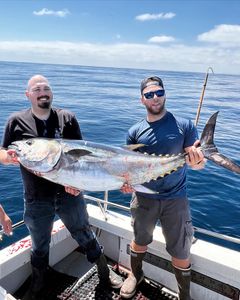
(45, 11)
(161, 39)
(162, 16)
(226, 35)
(144, 56)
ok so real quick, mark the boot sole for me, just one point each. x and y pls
(127, 296)
(118, 277)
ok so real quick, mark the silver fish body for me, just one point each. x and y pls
(91, 166)
(96, 167)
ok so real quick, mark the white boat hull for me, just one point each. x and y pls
(215, 268)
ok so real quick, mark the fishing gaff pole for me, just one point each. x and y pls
(202, 96)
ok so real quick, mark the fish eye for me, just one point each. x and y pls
(29, 142)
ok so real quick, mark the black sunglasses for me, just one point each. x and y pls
(150, 95)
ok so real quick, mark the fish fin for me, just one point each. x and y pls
(76, 153)
(207, 136)
(133, 147)
(142, 189)
(224, 161)
(210, 150)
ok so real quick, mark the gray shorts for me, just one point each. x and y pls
(175, 218)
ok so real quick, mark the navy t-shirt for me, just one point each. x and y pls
(169, 135)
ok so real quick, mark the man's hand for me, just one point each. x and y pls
(5, 221)
(12, 156)
(8, 157)
(7, 225)
(195, 158)
(127, 188)
(72, 191)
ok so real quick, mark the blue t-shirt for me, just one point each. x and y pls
(169, 135)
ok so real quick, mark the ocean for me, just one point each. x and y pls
(106, 102)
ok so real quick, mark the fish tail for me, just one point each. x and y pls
(210, 150)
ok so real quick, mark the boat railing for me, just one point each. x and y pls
(105, 203)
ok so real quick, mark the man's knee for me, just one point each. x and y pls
(138, 248)
(181, 263)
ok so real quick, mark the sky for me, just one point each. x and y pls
(181, 35)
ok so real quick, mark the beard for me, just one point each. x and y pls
(156, 111)
(44, 102)
(44, 105)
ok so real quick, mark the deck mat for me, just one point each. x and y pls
(63, 287)
(56, 283)
(89, 288)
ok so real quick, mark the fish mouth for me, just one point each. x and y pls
(14, 146)
(17, 146)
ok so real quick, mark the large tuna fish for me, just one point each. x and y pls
(96, 167)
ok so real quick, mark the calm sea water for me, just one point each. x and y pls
(106, 103)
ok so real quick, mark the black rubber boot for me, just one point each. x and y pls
(36, 290)
(183, 277)
(130, 284)
(107, 276)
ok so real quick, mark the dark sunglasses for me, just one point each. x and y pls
(150, 95)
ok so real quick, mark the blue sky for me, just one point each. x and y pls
(176, 35)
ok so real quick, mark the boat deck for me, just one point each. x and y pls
(215, 269)
(74, 278)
